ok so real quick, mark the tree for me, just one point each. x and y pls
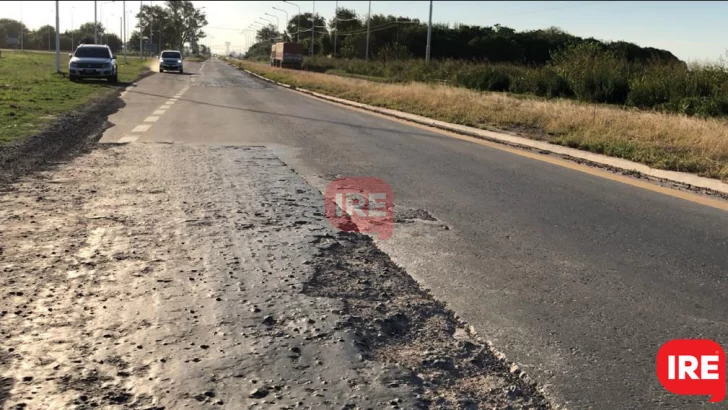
(345, 20)
(157, 26)
(10, 28)
(304, 32)
(85, 32)
(44, 38)
(187, 22)
(268, 34)
(133, 42)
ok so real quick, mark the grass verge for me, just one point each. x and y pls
(197, 59)
(663, 141)
(32, 94)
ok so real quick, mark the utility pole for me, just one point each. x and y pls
(123, 4)
(429, 36)
(151, 24)
(96, 26)
(58, 41)
(22, 48)
(140, 28)
(73, 8)
(313, 26)
(336, 24)
(369, 25)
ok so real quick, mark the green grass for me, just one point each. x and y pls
(32, 94)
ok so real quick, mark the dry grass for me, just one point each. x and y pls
(664, 141)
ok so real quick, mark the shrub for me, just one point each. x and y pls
(587, 71)
(593, 74)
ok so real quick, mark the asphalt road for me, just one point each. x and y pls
(577, 278)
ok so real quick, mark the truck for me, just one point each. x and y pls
(286, 55)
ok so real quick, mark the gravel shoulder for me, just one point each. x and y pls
(158, 276)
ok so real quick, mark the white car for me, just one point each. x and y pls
(170, 60)
(92, 61)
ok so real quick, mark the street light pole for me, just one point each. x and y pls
(96, 25)
(278, 21)
(151, 23)
(72, 27)
(124, 29)
(141, 41)
(58, 41)
(298, 18)
(313, 26)
(369, 25)
(336, 24)
(429, 36)
(284, 12)
(269, 21)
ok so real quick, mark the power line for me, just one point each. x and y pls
(381, 27)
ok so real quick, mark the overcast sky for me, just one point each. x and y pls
(691, 30)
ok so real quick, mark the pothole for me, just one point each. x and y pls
(409, 215)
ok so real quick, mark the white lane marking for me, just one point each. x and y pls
(170, 102)
(165, 107)
(151, 119)
(128, 138)
(158, 112)
(141, 128)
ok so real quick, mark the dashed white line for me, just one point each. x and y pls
(141, 128)
(153, 118)
(128, 138)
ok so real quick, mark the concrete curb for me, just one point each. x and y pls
(686, 180)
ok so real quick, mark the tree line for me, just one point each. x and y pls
(171, 25)
(402, 38)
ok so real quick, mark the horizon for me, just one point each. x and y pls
(691, 31)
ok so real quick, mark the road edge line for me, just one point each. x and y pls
(685, 180)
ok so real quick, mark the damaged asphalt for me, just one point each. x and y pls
(157, 276)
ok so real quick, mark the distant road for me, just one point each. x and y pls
(577, 278)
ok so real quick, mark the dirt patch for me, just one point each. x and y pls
(398, 322)
(70, 134)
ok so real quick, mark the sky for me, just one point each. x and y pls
(692, 30)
